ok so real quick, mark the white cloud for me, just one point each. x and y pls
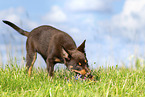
(18, 16)
(55, 15)
(132, 14)
(130, 20)
(12, 14)
(90, 5)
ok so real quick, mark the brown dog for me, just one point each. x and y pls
(54, 46)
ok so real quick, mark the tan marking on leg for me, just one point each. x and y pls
(30, 68)
(82, 72)
(70, 67)
(57, 60)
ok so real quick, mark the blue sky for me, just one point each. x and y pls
(114, 29)
(36, 9)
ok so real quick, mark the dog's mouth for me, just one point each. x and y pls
(77, 71)
(83, 74)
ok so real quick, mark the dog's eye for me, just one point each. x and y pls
(85, 61)
(80, 64)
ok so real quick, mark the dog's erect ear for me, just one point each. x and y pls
(81, 48)
(66, 54)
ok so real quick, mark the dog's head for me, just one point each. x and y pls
(76, 60)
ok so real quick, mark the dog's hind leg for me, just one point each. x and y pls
(31, 58)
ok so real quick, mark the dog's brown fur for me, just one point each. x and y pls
(54, 46)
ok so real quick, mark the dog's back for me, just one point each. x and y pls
(45, 37)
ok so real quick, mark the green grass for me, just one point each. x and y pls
(110, 82)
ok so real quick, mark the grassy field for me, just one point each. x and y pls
(110, 82)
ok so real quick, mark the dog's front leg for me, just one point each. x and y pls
(50, 66)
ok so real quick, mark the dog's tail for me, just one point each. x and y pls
(21, 31)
